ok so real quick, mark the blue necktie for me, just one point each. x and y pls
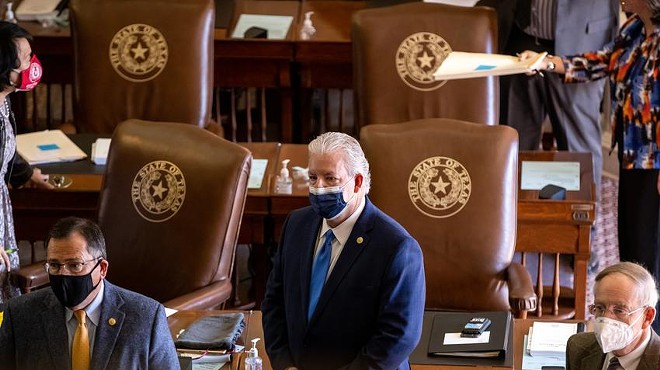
(319, 273)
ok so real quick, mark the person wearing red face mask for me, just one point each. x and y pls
(19, 71)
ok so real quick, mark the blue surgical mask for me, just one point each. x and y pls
(328, 202)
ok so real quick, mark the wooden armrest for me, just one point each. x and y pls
(31, 277)
(521, 291)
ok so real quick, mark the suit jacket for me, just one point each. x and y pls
(369, 314)
(584, 353)
(33, 334)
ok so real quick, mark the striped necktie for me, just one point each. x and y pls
(614, 364)
(319, 273)
(80, 347)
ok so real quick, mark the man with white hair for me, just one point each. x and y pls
(625, 296)
(347, 288)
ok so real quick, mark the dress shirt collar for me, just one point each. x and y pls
(93, 309)
(343, 230)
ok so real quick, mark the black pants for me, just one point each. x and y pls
(639, 215)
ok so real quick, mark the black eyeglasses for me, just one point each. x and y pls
(72, 267)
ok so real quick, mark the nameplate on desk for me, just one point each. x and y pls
(277, 25)
(257, 172)
(537, 174)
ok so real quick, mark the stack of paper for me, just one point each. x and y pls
(100, 150)
(47, 147)
(549, 338)
(469, 65)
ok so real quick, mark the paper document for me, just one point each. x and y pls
(277, 25)
(455, 338)
(257, 172)
(536, 363)
(47, 147)
(550, 338)
(465, 3)
(100, 150)
(537, 174)
(459, 65)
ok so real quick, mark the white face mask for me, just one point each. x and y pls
(613, 335)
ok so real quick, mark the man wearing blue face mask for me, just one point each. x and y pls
(625, 297)
(347, 287)
(83, 321)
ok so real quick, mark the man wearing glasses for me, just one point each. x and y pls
(625, 296)
(82, 321)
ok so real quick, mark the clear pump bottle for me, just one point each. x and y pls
(284, 182)
(253, 361)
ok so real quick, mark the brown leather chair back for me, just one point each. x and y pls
(147, 59)
(170, 209)
(396, 49)
(453, 185)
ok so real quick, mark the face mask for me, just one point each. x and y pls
(613, 335)
(30, 77)
(328, 202)
(71, 290)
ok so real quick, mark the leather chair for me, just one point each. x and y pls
(170, 209)
(148, 59)
(453, 185)
(396, 49)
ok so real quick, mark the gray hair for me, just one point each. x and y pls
(654, 7)
(356, 162)
(647, 291)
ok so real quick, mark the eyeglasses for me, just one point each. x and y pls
(72, 267)
(620, 312)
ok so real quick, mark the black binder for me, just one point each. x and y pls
(500, 319)
(453, 322)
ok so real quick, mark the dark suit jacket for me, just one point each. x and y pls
(584, 353)
(33, 334)
(370, 311)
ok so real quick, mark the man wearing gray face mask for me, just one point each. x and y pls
(625, 296)
(83, 321)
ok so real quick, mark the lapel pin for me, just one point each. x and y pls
(112, 321)
(360, 240)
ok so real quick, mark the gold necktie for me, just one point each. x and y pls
(80, 348)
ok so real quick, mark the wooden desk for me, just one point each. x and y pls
(253, 329)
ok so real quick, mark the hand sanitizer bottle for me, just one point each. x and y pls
(283, 184)
(253, 361)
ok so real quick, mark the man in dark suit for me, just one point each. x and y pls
(82, 321)
(625, 296)
(347, 287)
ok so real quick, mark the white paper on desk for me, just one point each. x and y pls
(277, 25)
(47, 147)
(208, 366)
(537, 174)
(257, 172)
(458, 65)
(455, 338)
(535, 363)
(100, 149)
(170, 311)
(465, 3)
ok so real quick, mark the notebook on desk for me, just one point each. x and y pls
(446, 339)
(421, 353)
(48, 146)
